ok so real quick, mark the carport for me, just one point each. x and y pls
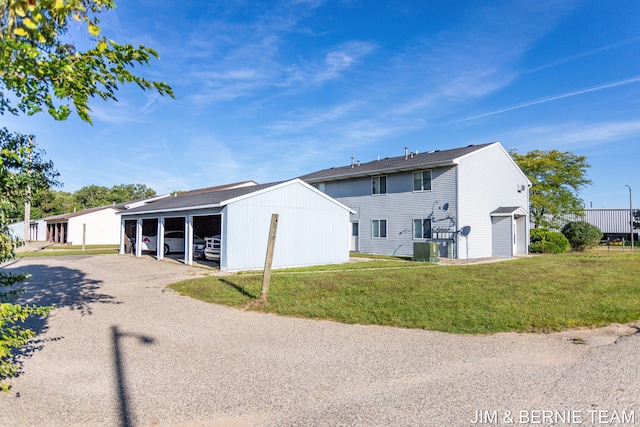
(200, 224)
(313, 228)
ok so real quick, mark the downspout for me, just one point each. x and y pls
(457, 235)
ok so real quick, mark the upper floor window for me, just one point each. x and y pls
(319, 186)
(379, 185)
(422, 181)
(422, 228)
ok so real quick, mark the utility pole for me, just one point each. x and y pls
(27, 199)
(630, 215)
(266, 278)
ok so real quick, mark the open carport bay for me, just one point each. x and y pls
(122, 349)
(204, 226)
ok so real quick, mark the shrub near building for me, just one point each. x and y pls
(544, 241)
(582, 235)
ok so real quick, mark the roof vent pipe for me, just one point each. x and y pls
(358, 162)
(406, 153)
(352, 161)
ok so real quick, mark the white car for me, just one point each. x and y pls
(212, 248)
(173, 242)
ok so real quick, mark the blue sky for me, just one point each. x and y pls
(272, 90)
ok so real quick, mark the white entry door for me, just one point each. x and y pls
(355, 239)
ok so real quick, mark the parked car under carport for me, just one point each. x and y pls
(174, 242)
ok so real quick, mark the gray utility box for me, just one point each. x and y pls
(425, 251)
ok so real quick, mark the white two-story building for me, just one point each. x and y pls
(472, 201)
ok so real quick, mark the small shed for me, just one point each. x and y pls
(313, 228)
(95, 226)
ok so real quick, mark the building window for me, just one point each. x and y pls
(379, 229)
(379, 185)
(422, 181)
(319, 186)
(422, 229)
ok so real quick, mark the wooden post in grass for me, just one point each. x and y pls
(264, 292)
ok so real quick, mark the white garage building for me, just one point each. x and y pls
(313, 228)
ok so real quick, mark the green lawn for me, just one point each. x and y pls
(542, 293)
(63, 250)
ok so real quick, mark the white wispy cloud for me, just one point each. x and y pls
(552, 98)
(339, 60)
(433, 74)
(575, 135)
(303, 120)
(581, 55)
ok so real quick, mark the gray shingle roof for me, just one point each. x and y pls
(506, 210)
(393, 164)
(65, 216)
(197, 199)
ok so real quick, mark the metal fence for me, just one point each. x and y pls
(614, 223)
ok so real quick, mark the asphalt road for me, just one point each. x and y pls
(122, 349)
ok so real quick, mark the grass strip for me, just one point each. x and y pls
(66, 252)
(542, 293)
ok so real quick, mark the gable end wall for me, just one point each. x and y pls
(488, 179)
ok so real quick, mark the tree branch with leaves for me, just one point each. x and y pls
(557, 178)
(22, 167)
(44, 70)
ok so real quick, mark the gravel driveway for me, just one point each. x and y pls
(122, 349)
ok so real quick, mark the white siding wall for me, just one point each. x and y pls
(400, 206)
(311, 229)
(17, 230)
(103, 227)
(487, 180)
(41, 232)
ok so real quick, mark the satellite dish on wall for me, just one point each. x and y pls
(445, 207)
(464, 231)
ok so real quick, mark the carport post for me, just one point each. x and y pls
(138, 237)
(160, 239)
(188, 240)
(122, 236)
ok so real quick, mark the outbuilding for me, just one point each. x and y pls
(313, 228)
(95, 226)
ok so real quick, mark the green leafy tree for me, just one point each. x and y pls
(581, 235)
(92, 196)
(44, 69)
(557, 179)
(48, 202)
(41, 69)
(21, 168)
(127, 192)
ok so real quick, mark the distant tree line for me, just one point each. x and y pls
(47, 202)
